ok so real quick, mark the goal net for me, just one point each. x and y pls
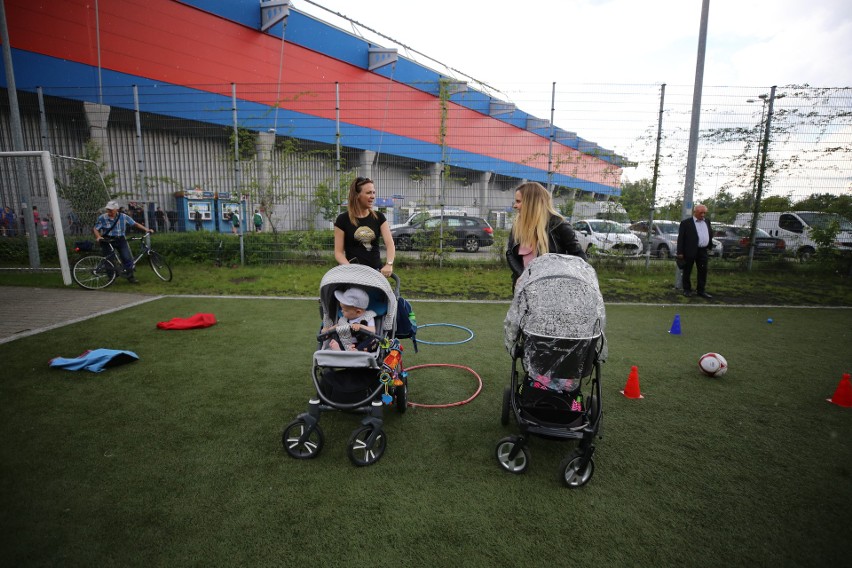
(48, 205)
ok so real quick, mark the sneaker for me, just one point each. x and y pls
(132, 280)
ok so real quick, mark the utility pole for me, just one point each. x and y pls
(689, 182)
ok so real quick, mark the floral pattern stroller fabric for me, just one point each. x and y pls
(356, 381)
(554, 332)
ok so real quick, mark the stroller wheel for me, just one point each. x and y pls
(301, 441)
(507, 402)
(516, 463)
(570, 473)
(366, 445)
(400, 395)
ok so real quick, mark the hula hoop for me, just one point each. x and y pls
(444, 342)
(449, 405)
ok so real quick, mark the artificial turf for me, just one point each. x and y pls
(176, 459)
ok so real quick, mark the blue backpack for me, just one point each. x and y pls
(406, 323)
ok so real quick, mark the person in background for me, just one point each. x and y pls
(160, 215)
(357, 231)
(196, 216)
(235, 222)
(693, 245)
(45, 225)
(258, 221)
(9, 222)
(538, 229)
(36, 218)
(114, 225)
(74, 225)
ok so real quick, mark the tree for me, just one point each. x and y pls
(329, 199)
(87, 188)
(828, 202)
(636, 197)
(776, 203)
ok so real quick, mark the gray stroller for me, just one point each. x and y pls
(554, 334)
(361, 381)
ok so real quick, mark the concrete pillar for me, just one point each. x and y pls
(483, 193)
(97, 117)
(366, 161)
(263, 155)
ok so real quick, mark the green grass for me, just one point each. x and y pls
(176, 459)
(799, 285)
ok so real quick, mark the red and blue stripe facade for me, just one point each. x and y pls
(202, 47)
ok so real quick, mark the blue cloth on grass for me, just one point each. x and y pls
(95, 360)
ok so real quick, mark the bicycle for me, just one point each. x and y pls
(97, 271)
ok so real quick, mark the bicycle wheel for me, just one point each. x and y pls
(94, 272)
(160, 267)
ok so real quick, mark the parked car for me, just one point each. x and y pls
(664, 238)
(735, 241)
(599, 236)
(421, 215)
(465, 232)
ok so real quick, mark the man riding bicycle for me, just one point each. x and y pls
(114, 225)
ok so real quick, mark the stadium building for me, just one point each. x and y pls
(258, 102)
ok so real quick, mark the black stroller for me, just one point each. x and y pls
(554, 327)
(355, 381)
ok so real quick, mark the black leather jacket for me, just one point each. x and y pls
(561, 240)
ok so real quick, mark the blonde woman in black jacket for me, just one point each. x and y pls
(538, 229)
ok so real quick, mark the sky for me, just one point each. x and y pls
(520, 49)
(749, 42)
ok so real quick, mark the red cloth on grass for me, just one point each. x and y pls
(193, 322)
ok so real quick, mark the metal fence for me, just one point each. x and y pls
(152, 147)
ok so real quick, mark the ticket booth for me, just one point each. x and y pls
(192, 200)
(228, 203)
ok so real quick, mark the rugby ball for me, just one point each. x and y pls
(713, 365)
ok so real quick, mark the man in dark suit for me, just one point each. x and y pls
(693, 244)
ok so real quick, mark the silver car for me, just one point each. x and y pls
(664, 238)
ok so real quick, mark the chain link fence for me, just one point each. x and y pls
(288, 154)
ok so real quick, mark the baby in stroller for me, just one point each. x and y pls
(554, 334)
(354, 319)
(357, 366)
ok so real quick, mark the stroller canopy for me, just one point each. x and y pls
(382, 297)
(557, 296)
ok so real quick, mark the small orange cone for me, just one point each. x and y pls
(631, 389)
(843, 394)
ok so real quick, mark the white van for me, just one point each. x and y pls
(795, 226)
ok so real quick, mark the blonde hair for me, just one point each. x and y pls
(530, 228)
(354, 190)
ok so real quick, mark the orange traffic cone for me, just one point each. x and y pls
(631, 389)
(843, 394)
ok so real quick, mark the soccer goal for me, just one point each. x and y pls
(33, 170)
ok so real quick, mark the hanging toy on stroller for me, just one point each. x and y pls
(554, 329)
(357, 366)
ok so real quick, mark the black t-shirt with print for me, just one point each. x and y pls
(362, 242)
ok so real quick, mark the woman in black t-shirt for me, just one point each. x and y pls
(356, 232)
